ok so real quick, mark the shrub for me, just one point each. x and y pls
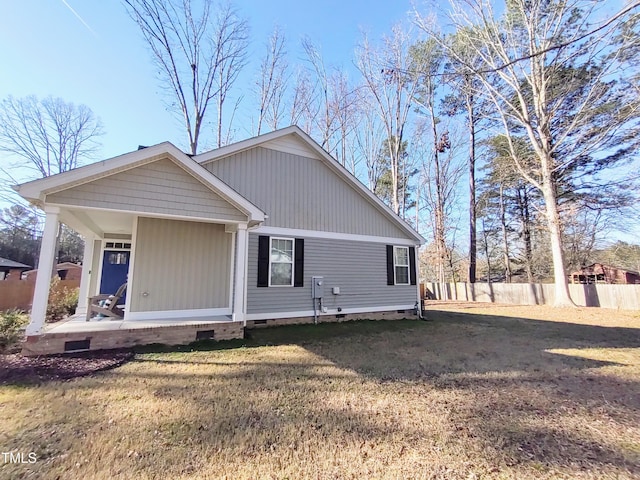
(62, 301)
(11, 324)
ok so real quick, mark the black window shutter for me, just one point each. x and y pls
(263, 261)
(412, 265)
(390, 275)
(298, 267)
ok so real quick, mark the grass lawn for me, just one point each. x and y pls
(482, 392)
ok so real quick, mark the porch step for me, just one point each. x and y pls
(67, 342)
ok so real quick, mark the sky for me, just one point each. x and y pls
(91, 52)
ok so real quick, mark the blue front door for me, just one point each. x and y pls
(115, 267)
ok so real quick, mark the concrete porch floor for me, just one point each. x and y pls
(78, 323)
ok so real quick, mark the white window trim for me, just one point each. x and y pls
(408, 265)
(293, 259)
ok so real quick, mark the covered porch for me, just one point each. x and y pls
(174, 233)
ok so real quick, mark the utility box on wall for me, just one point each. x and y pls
(317, 287)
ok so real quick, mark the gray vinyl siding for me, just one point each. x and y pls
(291, 144)
(160, 187)
(358, 268)
(181, 265)
(303, 193)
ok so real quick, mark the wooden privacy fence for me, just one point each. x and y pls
(625, 297)
(19, 294)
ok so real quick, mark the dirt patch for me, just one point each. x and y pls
(17, 369)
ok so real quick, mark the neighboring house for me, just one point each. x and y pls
(601, 273)
(10, 270)
(237, 232)
(66, 271)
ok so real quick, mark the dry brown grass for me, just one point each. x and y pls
(484, 395)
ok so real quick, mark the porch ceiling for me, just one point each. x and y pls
(97, 222)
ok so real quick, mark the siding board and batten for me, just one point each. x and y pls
(160, 187)
(301, 192)
(290, 144)
(181, 265)
(358, 268)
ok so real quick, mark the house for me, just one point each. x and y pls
(245, 234)
(10, 270)
(66, 271)
(601, 273)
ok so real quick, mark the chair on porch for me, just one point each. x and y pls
(106, 305)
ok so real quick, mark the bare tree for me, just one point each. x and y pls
(367, 135)
(272, 82)
(343, 107)
(324, 121)
(198, 55)
(49, 135)
(231, 39)
(548, 76)
(390, 77)
(466, 97)
(333, 101)
(441, 174)
(301, 104)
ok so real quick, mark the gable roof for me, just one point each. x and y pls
(323, 156)
(6, 263)
(37, 190)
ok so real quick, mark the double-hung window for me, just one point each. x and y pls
(401, 265)
(281, 262)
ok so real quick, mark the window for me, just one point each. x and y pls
(118, 258)
(117, 245)
(281, 262)
(401, 265)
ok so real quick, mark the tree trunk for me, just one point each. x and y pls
(505, 239)
(562, 297)
(486, 251)
(522, 199)
(472, 192)
(219, 122)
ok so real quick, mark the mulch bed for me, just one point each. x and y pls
(18, 370)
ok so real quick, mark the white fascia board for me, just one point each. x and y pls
(295, 232)
(324, 157)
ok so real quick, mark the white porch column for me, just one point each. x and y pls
(87, 261)
(240, 274)
(45, 266)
